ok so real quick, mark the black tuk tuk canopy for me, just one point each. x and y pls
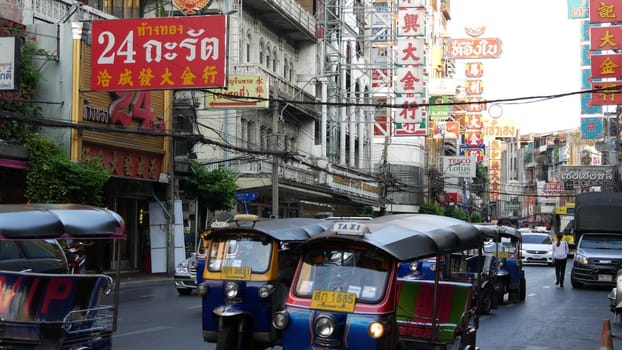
(412, 236)
(59, 221)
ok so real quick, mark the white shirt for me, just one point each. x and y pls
(560, 252)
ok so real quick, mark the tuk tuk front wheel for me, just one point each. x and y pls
(485, 301)
(226, 339)
(522, 292)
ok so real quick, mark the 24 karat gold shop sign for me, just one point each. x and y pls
(243, 91)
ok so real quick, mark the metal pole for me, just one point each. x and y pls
(275, 158)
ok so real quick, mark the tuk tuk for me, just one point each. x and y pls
(504, 243)
(245, 275)
(347, 293)
(56, 310)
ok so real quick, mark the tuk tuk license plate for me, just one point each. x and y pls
(236, 273)
(605, 278)
(333, 301)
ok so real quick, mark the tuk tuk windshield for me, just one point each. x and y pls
(248, 252)
(361, 272)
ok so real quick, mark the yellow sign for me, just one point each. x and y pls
(333, 301)
(236, 273)
(243, 91)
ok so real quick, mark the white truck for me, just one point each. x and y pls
(598, 233)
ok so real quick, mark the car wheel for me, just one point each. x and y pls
(184, 291)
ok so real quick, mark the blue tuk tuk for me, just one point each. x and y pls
(54, 310)
(347, 292)
(505, 244)
(245, 276)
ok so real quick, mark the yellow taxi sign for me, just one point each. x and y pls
(333, 301)
(350, 228)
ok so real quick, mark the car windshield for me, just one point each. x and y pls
(601, 242)
(536, 239)
(248, 252)
(360, 272)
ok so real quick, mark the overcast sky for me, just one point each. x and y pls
(541, 56)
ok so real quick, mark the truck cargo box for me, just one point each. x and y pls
(598, 212)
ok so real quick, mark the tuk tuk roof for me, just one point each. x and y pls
(492, 230)
(411, 236)
(285, 229)
(59, 221)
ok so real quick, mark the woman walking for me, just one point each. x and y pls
(560, 256)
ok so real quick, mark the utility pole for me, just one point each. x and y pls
(275, 157)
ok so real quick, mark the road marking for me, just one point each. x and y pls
(194, 307)
(146, 330)
(531, 294)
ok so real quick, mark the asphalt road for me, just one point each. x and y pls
(153, 316)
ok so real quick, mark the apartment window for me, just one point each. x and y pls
(274, 61)
(285, 67)
(250, 134)
(268, 55)
(264, 138)
(118, 8)
(291, 71)
(261, 52)
(248, 47)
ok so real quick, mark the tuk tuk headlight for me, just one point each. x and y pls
(266, 291)
(413, 267)
(202, 289)
(433, 267)
(376, 330)
(280, 320)
(231, 290)
(325, 326)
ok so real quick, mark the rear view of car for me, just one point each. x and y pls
(44, 256)
(537, 248)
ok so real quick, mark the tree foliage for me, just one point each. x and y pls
(431, 208)
(214, 189)
(53, 178)
(21, 100)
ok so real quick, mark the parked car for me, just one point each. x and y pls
(537, 248)
(44, 256)
(186, 275)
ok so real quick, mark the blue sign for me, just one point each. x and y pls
(246, 196)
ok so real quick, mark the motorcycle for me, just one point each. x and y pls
(76, 257)
(615, 297)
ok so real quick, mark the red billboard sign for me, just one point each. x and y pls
(605, 38)
(609, 95)
(159, 53)
(605, 11)
(472, 48)
(606, 66)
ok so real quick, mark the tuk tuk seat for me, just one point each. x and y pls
(415, 307)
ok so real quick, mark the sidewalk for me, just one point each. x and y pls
(136, 277)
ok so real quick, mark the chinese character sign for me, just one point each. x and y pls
(605, 11)
(159, 53)
(411, 21)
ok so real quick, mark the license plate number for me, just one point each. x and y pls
(236, 273)
(333, 301)
(605, 278)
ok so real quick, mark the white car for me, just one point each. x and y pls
(537, 248)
